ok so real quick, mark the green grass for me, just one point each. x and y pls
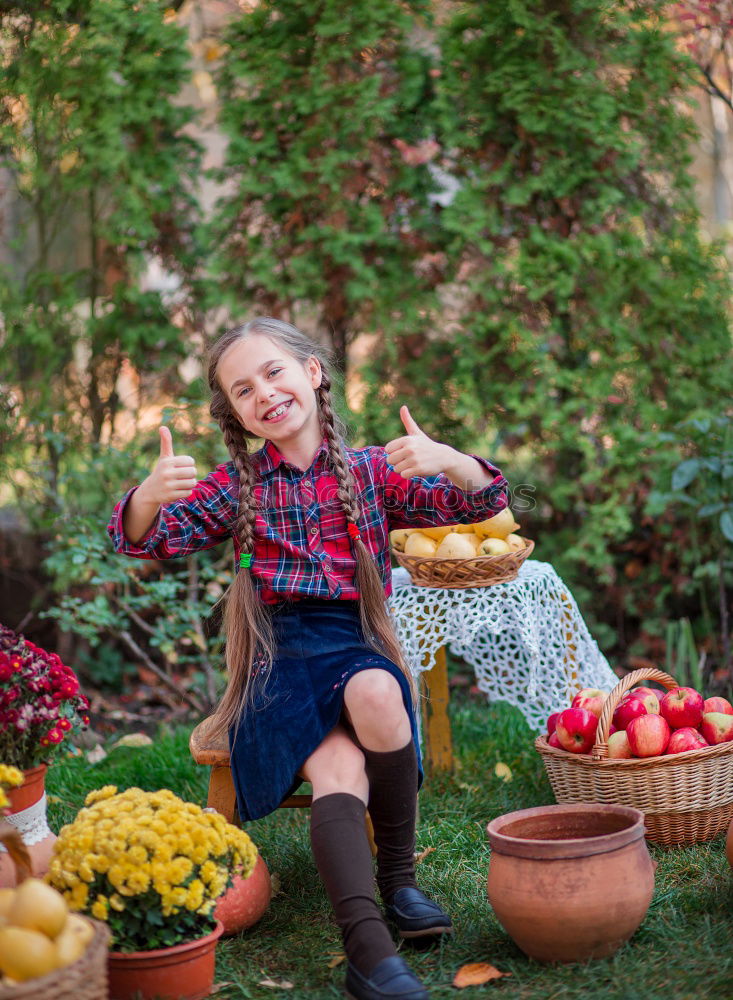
(682, 950)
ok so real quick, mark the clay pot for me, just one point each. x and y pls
(27, 812)
(570, 882)
(246, 900)
(181, 972)
(729, 844)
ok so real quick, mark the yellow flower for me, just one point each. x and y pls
(195, 895)
(100, 794)
(138, 882)
(12, 776)
(116, 902)
(100, 908)
(4, 800)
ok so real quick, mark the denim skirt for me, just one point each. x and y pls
(319, 646)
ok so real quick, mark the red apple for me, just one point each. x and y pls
(717, 705)
(686, 738)
(648, 735)
(682, 707)
(618, 745)
(717, 727)
(650, 698)
(627, 709)
(591, 699)
(553, 741)
(576, 729)
(612, 729)
(551, 720)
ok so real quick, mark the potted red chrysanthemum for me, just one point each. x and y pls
(40, 705)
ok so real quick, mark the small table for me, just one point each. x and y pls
(525, 640)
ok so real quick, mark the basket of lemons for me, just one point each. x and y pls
(462, 555)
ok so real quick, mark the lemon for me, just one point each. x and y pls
(498, 526)
(418, 544)
(38, 907)
(25, 954)
(493, 547)
(457, 546)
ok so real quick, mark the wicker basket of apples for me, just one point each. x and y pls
(457, 556)
(669, 754)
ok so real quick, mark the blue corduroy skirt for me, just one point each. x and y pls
(319, 647)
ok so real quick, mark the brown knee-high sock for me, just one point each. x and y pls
(344, 861)
(393, 806)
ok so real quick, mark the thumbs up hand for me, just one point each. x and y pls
(416, 454)
(173, 477)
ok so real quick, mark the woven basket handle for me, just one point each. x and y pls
(600, 748)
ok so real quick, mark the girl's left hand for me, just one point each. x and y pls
(416, 454)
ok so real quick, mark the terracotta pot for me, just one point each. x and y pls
(181, 972)
(729, 844)
(245, 902)
(27, 812)
(570, 882)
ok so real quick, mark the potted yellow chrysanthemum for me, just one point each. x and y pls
(153, 867)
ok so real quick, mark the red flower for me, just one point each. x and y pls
(64, 724)
(54, 735)
(6, 671)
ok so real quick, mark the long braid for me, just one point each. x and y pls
(375, 621)
(247, 624)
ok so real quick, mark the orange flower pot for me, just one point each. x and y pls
(245, 902)
(30, 792)
(40, 840)
(181, 972)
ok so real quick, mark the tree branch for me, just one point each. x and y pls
(168, 681)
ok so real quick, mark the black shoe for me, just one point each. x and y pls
(390, 979)
(417, 916)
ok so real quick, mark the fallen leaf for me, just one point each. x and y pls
(275, 884)
(503, 771)
(133, 740)
(476, 973)
(218, 987)
(96, 754)
(336, 960)
(423, 854)
(275, 985)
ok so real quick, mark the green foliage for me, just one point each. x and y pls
(94, 142)
(159, 617)
(583, 314)
(320, 205)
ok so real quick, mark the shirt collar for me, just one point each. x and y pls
(269, 458)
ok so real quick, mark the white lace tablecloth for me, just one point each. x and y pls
(525, 640)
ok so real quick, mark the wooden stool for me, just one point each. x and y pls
(213, 752)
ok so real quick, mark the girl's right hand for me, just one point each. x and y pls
(173, 477)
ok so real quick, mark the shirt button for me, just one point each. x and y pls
(314, 531)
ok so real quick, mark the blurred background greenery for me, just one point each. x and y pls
(511, 216)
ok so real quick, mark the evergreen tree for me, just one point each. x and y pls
(321, 104)
(587, 315)
(102, 179)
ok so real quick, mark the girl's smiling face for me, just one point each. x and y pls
(271, 392)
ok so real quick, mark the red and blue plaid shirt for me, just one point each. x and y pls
(302, 548)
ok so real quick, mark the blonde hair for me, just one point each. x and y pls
(247, 623)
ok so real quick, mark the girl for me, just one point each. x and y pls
(317, 685)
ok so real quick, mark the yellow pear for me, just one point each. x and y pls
(38, 907)
(465, 529)
(493, 547)
(418, 544)
(456, 546)
(25, 954)
(69, 948)
(438, 532)
(6, 901)
(515, 542)
(79, 927)
(398, 537)
(498, 526)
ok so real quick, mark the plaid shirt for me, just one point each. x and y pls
(301, 545)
